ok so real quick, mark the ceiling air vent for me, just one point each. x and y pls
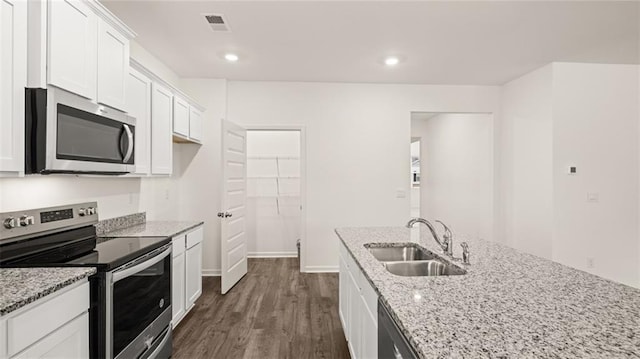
(217, 22)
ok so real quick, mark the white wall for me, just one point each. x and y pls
(199, 175)
(526, 149)
(583, 115)
(457, 172)
(595, 127)
(273, 221)
(357, 138)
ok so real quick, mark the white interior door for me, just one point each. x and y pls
(234, 199)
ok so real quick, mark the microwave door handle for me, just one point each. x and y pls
(127, 155)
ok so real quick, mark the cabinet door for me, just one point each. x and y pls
(343, 293)
(194, 274)
(138, 103)
(13, 79)
(72, 47)
(195, 124)
(369, 330)
(69, 341)
(178, 288)
(180, 116)
(355, 313)
(113, 66)
(161, 115)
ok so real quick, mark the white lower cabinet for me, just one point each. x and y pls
(359, 320)
(178, 280)
(64, 334)
(186, 269)
(194, 266)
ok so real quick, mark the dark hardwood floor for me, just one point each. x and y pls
(273, 312)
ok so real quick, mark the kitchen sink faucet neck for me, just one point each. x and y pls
(445, 246)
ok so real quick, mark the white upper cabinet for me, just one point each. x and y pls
(161, 120)
(113, 66)
(180, 116)
(87, 49)
(195, 124)
(72, 49)
(13, 79)
(138, 102)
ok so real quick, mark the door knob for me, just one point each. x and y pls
(220, 214)
(227, 215)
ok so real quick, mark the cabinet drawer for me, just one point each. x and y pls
(28, 327)
(178, 245)
(195, 237)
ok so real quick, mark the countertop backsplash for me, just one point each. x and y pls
(111, 224)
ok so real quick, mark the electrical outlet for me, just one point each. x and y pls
(591, 262)
(401, 193)
(166, 194)
(593, 197)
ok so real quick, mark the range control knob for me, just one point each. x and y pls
(9, 223)
(91, 211)
(26, 221)
(82, 212)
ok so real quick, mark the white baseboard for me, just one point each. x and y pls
(272, 254)
(211, 272)
(321, 269)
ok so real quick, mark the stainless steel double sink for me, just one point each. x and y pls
(411, 260)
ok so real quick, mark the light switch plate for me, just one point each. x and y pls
(593, 197)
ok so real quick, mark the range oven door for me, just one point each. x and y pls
(139, 307)
(70, 134)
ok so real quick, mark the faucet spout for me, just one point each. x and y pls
(432, 229)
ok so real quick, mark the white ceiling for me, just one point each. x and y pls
(475, 43)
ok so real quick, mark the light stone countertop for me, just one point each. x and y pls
(21, 286)
(154, 229)
(508, 305)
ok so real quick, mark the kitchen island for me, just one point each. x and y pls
(508, 305)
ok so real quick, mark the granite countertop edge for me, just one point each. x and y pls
(153, 229)
(44, 281)
(509, 304)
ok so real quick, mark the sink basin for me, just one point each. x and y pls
(422, 268)
(400, 254)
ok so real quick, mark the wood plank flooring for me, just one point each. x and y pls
(273, 312)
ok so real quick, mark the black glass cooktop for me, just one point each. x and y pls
(77, 248)
(118, 251)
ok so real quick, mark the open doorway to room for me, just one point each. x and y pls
(452, 172)
(415, 177)
(275, 225)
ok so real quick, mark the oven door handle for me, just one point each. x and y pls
(142, 264)
(158, 349)
(127, 155)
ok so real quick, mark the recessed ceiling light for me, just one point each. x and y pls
(231, 57)
(391, 61)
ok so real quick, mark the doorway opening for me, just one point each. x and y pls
(415, 177)
(275, 169)
(452, 171)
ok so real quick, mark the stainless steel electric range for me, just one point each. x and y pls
(130, 312)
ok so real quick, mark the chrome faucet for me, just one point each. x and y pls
(445, 245)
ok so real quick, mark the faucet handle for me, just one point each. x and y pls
(447, 232)
(465, 252)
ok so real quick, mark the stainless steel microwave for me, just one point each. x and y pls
(66, 133)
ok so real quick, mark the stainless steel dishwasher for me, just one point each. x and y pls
(392, 344)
